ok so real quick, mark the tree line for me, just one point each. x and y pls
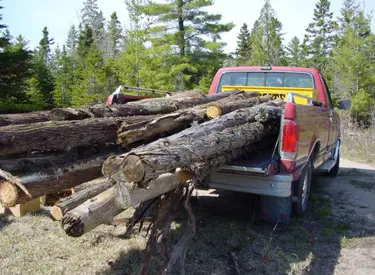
(177, 45)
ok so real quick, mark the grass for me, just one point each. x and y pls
(363, 183)
(9, 108)
(357, 143)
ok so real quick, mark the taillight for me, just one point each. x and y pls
(290, 136)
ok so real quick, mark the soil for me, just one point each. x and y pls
(336, 236)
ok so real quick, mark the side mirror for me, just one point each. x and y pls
(345, 104)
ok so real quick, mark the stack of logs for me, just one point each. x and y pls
(121, 156)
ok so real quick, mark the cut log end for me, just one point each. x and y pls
(56, 213)
(213, 111)
(133, 169)
(72, 225)
(8, 193)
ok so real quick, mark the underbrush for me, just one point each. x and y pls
(358, 143)
(12, 108)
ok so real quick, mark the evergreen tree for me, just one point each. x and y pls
(44, 48)
(64, 80)
(348, 13)
(114, 34)
(243, 51)
(42, 83)
(319, 37)
(182, 25)
(85, 42)
(72, 40)
(93, 17)
(294, 53)
(352, 66)
(266, 38)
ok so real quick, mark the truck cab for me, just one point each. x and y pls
(308, 139)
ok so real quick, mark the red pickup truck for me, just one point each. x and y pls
(308, 141)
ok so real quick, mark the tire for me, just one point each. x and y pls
(335, 170)
(302, 190)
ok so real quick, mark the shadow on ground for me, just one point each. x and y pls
(228, 243)
(4, 220)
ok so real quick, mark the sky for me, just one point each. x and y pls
(28, 17)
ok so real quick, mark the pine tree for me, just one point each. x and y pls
(294, 53)
(93, 17)
(114, 35)
(42, 83)
(352, 66)
(85, 42)
(243, 51)
(44, 48)
(266, 38)
(320, 37)
(182, 25)
(72, 40)
(348, 12)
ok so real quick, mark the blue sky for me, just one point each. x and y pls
(28, 17)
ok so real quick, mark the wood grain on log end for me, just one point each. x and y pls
(213, 111)
(133, 169)
(73, 225)
(8, 193)
(56, 213)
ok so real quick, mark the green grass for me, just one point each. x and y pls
(9, 108)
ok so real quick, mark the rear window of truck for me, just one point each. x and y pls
(267, 79)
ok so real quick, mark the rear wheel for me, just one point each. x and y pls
(302, 190)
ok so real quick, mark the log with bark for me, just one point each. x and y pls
(138, 108)
(60, 135)
(23, 118)
(14, 190)
(81, 193)
(104, 207)
(172, 123)
(204, 141)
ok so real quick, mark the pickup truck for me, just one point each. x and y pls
(308, 140)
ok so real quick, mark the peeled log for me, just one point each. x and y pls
(60, 135)
(221, 108)
(23, 118)
(108, 204)
(49, 181)
(172, 123)
(82, 193)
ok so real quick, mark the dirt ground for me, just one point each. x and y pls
(336, 236)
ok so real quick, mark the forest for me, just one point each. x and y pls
(177, 45)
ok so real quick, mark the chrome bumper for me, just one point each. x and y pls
(276, 186)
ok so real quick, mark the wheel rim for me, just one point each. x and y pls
(304, 190)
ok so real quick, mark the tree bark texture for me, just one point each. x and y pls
(221, 108)
(50, 180)
(184, 144)
(82, 193)
(166, 125)
(23, 118)
(108, 204)
(138, 108)
(60, 135)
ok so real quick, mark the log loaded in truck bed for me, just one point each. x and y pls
(308, 140)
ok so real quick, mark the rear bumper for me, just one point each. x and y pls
(279, 185)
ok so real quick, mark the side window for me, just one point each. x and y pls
(326, 92)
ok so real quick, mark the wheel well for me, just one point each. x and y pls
(315, 152)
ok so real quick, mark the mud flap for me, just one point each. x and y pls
(275, 209)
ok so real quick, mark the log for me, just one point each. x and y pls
(108, 204)
(82, 193)
(221, 108)
(149, 107)
(262, 113)
(60, 135)
(49, 181)
(174, 95)
(143, 165)
(23, 118)
(37, 161)
(172, 123)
